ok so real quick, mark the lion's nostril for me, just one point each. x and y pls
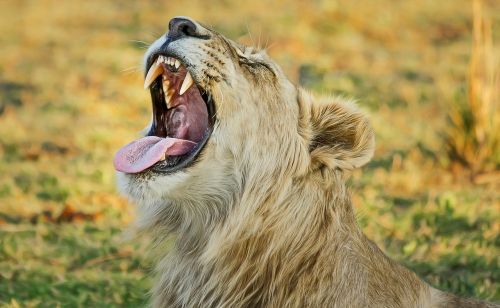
(187, 30)
(179, 27)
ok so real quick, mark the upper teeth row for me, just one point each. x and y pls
(169, 60)
(157, 69)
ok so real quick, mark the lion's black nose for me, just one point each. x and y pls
(181, 27)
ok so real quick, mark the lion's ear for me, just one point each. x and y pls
(340, 135)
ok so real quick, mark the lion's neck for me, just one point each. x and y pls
(272, 233)
(287, 209)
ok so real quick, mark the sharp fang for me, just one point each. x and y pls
(165, 85)
(188, 82)
(168, 99)
(177, 63)
(154, 71)
(163, 157)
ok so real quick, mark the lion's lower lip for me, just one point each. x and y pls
(173, 164)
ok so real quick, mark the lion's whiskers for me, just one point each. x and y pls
(145, 45)
(130, 70)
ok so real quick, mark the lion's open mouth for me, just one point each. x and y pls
(183, 116)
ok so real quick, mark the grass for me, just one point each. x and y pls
(70, 265)
(71, 94)
(473, 137)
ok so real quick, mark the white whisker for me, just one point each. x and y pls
(131, 70)
(250, 35)
(146, 44)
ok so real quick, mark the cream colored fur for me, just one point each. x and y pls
(264, 217)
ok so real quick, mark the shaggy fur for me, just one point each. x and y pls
(264, 218)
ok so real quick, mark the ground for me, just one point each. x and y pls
(71, 94)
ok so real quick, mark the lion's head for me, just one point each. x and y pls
(227, 122)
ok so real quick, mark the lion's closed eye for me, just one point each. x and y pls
(250, 57)
(256, 66)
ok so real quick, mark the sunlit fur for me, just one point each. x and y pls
(264, 218)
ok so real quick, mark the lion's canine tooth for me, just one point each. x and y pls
(165, 85)
(188, 82)
(168, 93)
(177, 63)
(154, 71)
(168, 99)
(163, 157)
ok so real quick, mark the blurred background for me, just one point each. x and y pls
(427, 72)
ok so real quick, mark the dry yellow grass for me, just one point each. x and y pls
(474, 134)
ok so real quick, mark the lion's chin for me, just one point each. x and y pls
(149, 188)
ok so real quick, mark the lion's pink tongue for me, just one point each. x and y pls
(145, 152)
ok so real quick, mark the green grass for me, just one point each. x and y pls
(71, 94)
(71, 265)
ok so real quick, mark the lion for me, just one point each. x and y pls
(248, 172)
